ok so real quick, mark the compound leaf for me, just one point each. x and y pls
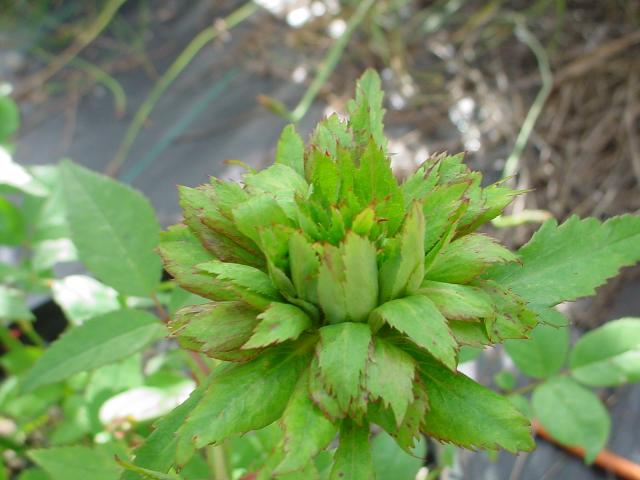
(569, 261)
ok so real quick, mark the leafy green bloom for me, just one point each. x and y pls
(340, 297)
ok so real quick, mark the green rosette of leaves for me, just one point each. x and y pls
(340, 297)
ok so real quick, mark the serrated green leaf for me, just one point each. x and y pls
(366, 112)
(279, 323)
(331, 294)
(330, 134)
(418, 318)
(307, 430)
(258, 212)
(77, 463)
(304, 264)
(244, 279)
(209, 217)
(342, 357)
(325, 178)
(242, 397)
(458, 302)
(212, 328)
(389, 377)
(281, 181)
(513, 320)
(348, 280)
(467, 257)
(472, 334)
(482, 418)
(543, 353)
(404, 269)
(181, 252)
(440, 206)
(549, 316)
(408, 431)
(290, 149)
(352, 459)
(319, 395)
(99, 341)
(608, 355)
(360, 276)
(375, 183)
(569, 261)
(572, 415)
(110, 221)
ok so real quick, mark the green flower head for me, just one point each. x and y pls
(340, 297)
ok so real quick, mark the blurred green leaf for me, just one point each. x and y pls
(114, 229)
(390, 462)
(99, 341)
(572, 415)
(13, 306)
(78, 463)
(12, 225)
(543, 353)
(608, 355)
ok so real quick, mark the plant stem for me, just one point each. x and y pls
(31, 334)
(217, 460)
(511, 165)
(176, 68)
(88, 35)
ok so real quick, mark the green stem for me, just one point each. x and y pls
(82, 41)
(31, 334)
(217, 460)
(511, 165)
(176, 68)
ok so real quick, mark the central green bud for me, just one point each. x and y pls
(343, 293)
